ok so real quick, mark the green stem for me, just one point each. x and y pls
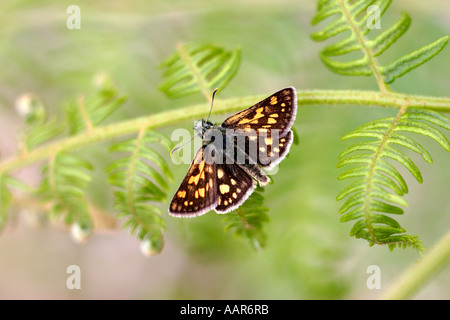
(306, 97)
(421, 272)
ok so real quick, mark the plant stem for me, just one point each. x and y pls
(306, 97)
(420, 273)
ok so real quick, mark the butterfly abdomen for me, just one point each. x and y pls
(254, 171)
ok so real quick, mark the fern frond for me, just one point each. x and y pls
(195, 68)
(92, 110)
(380, 187)
(66, 178)
(40, 126)
(140, 177)
(248, 220)
(356, 17)
(38, 134)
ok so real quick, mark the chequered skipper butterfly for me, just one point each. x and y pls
(224, 171)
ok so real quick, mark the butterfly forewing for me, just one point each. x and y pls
(272, 150)
(197, 192)
(277, 111)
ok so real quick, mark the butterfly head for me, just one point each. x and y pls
(202, 126)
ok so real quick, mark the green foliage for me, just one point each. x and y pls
(248, 220)
(66, 179)
(141, 177)
(66, 176)
(379, 185)
(358, 18)
(89, 112)
(195, 68)
(41, 127)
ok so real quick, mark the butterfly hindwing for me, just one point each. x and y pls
(277, 111)
(234, 186)
(197, 193)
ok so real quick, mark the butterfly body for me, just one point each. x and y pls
(225, 170)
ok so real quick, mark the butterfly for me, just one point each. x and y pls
(227, 167)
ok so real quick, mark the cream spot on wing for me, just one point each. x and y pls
(224, 188)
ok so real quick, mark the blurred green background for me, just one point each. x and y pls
(309, 253)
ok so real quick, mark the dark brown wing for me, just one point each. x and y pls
(272, 150)
(234, 186)
(275, 112)
(197, 193)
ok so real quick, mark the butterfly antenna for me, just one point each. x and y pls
(179, 147)
(212, 101)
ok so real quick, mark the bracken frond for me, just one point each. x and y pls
(141, 177)
(359, 18)
(196, 68)
(378, 190)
